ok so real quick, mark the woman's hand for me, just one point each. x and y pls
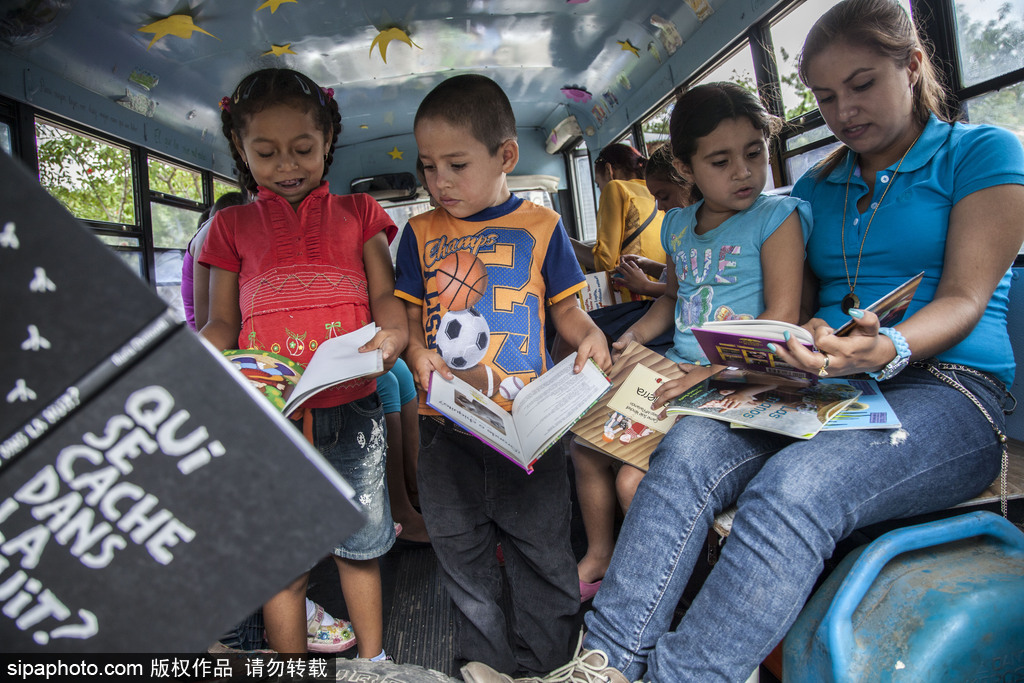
(862, 350)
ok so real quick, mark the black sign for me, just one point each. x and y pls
(149, 498)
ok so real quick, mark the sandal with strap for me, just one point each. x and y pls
(337, 637)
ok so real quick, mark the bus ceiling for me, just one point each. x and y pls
(154, 73)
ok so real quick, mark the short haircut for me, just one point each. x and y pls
(475, 103)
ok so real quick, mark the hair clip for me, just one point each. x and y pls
(225, 103)
(329, 92)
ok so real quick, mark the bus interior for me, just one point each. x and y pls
(114, 106)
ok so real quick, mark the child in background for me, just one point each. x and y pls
(397, 392)
(523, 269)
(735, 253)
(195, 278)
(293, 268)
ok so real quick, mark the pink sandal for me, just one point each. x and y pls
(337, 637)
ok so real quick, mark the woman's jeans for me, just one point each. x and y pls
(796, 500)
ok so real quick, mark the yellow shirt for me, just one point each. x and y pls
(625, 205)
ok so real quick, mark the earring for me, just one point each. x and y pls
(325, 157)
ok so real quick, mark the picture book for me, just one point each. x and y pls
(869, 411)
(744, 343)
(891, 308)
(336, 361)
(796, 408)
(622, 423)
(269, 373)
(542, 411)
(599, 292)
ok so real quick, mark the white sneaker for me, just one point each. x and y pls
(586, 666)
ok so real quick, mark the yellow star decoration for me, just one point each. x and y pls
(384, 38)
(278, 50)
(629, 47)
(273, 5)
(180, 25)
(396, 153)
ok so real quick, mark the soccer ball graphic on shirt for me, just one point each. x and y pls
(463, 338)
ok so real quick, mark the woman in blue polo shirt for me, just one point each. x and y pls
(907, 192)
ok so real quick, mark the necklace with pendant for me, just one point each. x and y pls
(851, 300)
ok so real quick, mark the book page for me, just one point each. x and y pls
(765, 329)
(336, 361)
(635, 396)
(797, 411)
(550, 404)
(609, 431)
(477, 414)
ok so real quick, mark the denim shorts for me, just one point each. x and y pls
(351, 437)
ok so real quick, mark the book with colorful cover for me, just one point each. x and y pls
(869, 411)
(541, 413)
(622, 423)
(744, 343)
(796, 408)
(336, 361)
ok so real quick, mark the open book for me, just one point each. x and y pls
(541, 413)
(744, 343)
(622, 423)
(795, 408)
(336, 361)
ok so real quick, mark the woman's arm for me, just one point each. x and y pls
(225, 315)
(584, 254)
(387, 310)
(985, 233)
(782, 271)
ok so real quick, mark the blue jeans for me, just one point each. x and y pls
(473, 497)
(352, 438)
(795, 500)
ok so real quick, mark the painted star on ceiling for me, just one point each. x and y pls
(395, 153)
(278, 50)
(180, 25)
(384, 38)
(629, 47)
(273, 5)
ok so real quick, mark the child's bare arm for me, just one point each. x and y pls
(659, 317)
(387, 310)
(579, 331)
(225, 314)
(418, 357)
(782, 267)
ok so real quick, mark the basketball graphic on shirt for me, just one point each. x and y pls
(461, 280)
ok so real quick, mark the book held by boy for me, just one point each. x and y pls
(744, 343)
(622, 424)
(796, 408)
(541, 412)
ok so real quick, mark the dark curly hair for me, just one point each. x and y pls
(269, 87)
(699, 110)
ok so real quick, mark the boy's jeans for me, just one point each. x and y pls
(794, 505)
(472, 497)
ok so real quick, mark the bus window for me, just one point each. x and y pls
(989, 36)
(583, 193)
(92, 178)
(5, 138)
